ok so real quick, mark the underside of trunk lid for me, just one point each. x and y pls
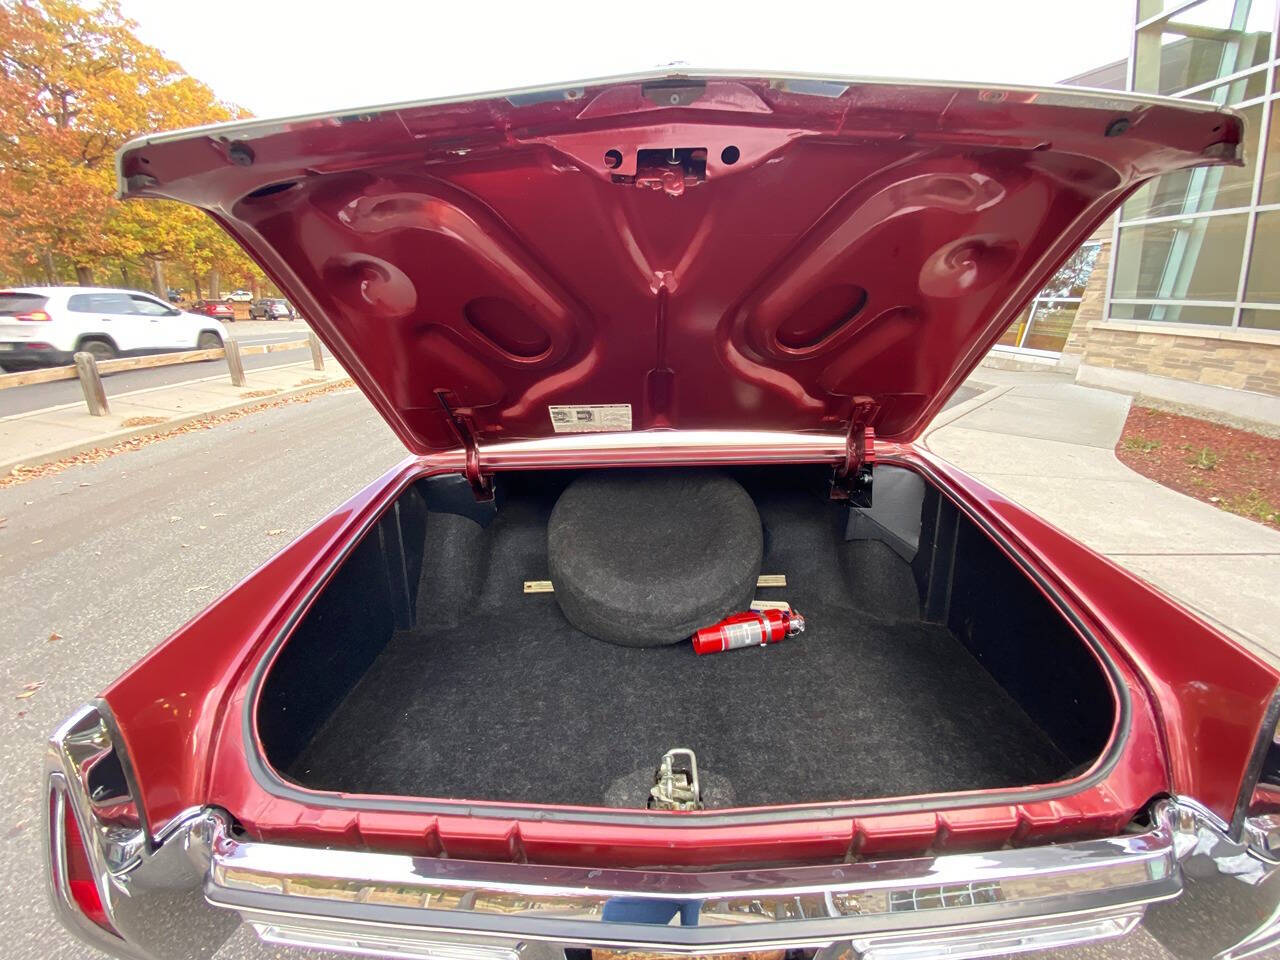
(692, 250)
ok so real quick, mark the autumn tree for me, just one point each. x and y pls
(75, 84)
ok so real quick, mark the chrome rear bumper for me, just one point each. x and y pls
(181, 893)
(1090, 889)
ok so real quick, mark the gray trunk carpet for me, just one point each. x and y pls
(496, 697)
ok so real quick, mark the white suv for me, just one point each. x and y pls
(44, 326)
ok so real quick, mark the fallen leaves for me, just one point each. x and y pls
(276, 532)
(55, 637)
(29, 690)
(142, 421)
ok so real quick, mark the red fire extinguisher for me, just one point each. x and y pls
(752, 628)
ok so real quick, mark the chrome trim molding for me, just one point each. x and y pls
(151, 887)
(719, 911)
(181, 896)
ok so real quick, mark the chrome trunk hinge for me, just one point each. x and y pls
(851, 479)
(481, 482)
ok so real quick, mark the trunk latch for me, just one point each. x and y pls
(675, 785)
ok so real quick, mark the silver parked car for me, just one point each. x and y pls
(272, 308)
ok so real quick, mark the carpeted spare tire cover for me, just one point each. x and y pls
(644, 558)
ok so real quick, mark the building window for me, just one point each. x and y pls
(1263, 282)
(1202, 43)
(1044, 325)
(1172, 313)
(1193, 259)
(1198, 246)
(1271, 166)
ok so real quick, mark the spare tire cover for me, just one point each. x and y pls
(644, 558)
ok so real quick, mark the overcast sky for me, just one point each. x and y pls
(280, 58)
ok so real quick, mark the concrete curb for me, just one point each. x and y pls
(952, 414)
(109, 439)
(143, 391)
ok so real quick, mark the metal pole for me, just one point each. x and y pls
(95, 397)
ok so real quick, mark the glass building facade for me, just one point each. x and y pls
(1203, 246)
(1200, 247)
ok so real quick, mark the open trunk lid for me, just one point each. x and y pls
(691, 250)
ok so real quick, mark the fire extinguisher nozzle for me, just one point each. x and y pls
(796, 625)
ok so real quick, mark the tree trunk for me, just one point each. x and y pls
(195, 284)
(50, 275)
(157, 278)
(256, 288)
(124, 275)
(215, 285)
(84, 275)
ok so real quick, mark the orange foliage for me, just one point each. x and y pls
(75, 84)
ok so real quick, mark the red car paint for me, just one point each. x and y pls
(215, 309)
(488, 258)
(185, 732)
(470, 263)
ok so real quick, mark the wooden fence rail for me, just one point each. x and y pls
(89, 371)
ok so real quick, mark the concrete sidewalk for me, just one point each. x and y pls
(1049, 444)
(28, 439)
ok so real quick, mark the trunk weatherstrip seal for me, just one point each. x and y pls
(276, 785)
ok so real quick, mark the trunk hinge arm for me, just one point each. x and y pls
(851, 480)
(481, 482)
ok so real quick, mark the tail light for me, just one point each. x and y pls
(69, 858)
(95, 832)
(34, 316)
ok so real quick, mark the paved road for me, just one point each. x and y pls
(38, 396)
(113, 556)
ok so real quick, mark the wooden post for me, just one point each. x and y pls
(317, 358)
(95, 397)
(231, 349)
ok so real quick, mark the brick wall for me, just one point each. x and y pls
(1230, 359)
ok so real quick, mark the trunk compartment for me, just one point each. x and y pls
(931, 663)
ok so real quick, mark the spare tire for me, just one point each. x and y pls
(643, 558)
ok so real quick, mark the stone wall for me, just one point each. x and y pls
(1241, 360)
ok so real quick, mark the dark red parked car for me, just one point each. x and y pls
(214, 308)
(651, 342)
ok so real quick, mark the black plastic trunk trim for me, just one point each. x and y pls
(270, 781)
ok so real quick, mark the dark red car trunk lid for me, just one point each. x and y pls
(692, 250)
